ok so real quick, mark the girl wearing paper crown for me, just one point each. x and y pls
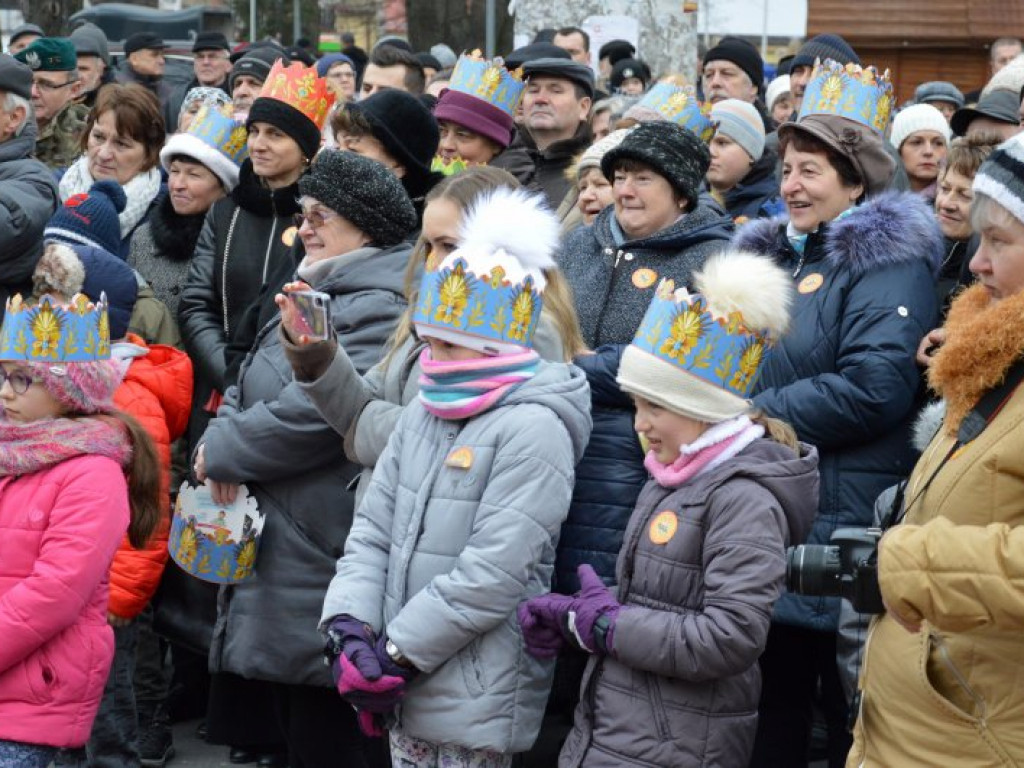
(460, 522)
(863, 261)
(673, 679)
(75, 473)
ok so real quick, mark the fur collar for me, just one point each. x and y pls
(890, 228)
(983, 339)
(174, 235)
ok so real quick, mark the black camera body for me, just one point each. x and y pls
(846, 567)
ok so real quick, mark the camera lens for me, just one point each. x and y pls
(813, 569)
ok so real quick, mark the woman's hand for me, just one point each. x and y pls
(929, 345)
(223, 494)
(289, 317)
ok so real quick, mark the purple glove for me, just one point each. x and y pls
(594, 610)
(388, 665)
(355, 639)
(543, 621)
(372, 696)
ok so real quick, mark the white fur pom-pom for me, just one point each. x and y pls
(753, 285)
(59, 271)
(513, 221)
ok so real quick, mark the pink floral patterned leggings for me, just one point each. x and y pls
(408, 752)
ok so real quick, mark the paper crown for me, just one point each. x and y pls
(850, 91)
(51, 332)
(299, 87)
(488, 81)
(221, 132)
(451, 166)
(680, 105)
(680, 330)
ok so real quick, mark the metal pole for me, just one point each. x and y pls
(764, 34)
(296, 20)
(252, 21)
(489, 27)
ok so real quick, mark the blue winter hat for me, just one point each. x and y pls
(324, 63)
(825, 47)
(90, 218)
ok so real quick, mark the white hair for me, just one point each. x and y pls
(11, 102)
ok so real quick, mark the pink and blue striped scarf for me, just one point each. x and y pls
(463, 389)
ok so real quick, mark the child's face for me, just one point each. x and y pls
(446, 352)
(666, 432)
(25, 400)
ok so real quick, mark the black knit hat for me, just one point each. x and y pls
(409, 133)
(256, 62)
(288, 119)
(362, 191)
(825, 47)
(742, 54)
(616, 50)
(668, 148)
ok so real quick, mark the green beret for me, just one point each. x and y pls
(49, 54)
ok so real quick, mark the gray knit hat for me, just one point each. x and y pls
(362, 191)
(668, 148)
(1001, 176)
(89, 40)
(825, 47)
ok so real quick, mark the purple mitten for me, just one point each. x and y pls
(388, 665)
(542, 640)
(354, 639)
(379, 696)
(593, 613)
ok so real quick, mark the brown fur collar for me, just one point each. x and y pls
(983, 339)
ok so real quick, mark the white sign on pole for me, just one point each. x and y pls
(603, 29)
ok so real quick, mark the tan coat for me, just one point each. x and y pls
(952, 694)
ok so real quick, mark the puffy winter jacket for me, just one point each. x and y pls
(845, 376)
(757, 194)
(59, 528)
(157, 391)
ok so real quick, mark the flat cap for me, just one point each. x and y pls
(210, 41)
(567, 69)
(141, 41)
(15, 77)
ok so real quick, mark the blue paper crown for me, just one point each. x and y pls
(680, 105)
(488, 81)
(861, 95)
(223, 133)
(680, 330)
(50, 332)
(487, 305)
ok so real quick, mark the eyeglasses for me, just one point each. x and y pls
(317, 217)
(46, 85)
(19, 380)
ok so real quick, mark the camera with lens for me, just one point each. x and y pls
(846, 567)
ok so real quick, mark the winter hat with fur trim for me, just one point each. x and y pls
(1001, 176)
(700, 355)
(214, 140)
(918, 117)
(82, 387)
(90, 218)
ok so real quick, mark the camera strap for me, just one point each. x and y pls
(973, 424)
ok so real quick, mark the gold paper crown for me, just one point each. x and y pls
(299, 87)
(857, 93)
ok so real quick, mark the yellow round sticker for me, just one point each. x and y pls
(663, 527)
(811, 283)
(644, 278)
(288, 236)
(460, 458)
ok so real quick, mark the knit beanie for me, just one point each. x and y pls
(408, 131)
(90, 218)
(256, 62)
(591, 157)
(85, 387)
(626, 68)
(939, 90)
(1001, 176)
(778, 87)
(1009, 78)
(825, 47)
(700, 355)
(444, 54)
(324, 63)
(742, 54)
(215, 97)
(918, 117)
(90, 40)
(740, 121)
(671, 150)
(362, 191)
(296, 101)
(288, 119)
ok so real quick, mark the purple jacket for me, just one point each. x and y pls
(683, 685)
(59, 529)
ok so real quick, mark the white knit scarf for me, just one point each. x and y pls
(140, 191)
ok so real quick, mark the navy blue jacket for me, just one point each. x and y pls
(844, 376)
(757, 194)
(609, 477)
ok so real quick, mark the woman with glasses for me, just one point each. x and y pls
(269, 435)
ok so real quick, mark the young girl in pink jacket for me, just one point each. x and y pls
(74, 475)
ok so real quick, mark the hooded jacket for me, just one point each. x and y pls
(268, 435)
(845, 375)
(440, 556)
(682, 683)
(613, 279)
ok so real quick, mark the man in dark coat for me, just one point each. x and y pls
(211, 66)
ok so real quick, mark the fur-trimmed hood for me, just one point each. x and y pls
(890, 228)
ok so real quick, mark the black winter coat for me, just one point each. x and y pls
(845, 376)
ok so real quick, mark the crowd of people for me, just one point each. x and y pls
(598, 349)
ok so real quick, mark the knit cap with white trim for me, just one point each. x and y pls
(919, 117)
(1001, 176)
(740, 121)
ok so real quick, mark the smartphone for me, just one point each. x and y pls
(312, 315)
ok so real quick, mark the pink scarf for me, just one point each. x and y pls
(461, 389)
(714, 447)
(28, 448)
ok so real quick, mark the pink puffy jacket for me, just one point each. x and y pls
(59, 529)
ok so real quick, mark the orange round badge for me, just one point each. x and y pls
(288, 236)
(811, 283)
(644, 278)
(663, 527)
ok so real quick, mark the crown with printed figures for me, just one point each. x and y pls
(488, 81)
(680, 105)
(51, 332)
(214, 139)
(851, 91)
(299, 87)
